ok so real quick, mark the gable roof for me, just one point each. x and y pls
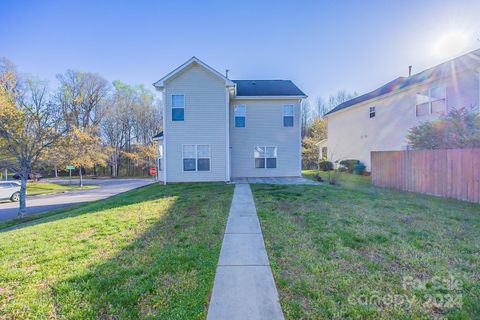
(432, 74)
(272, 88)
(194, 60)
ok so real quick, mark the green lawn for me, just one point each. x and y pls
(36, 188)
(148, 253)
(349, 250)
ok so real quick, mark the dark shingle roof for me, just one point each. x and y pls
(158, 135)
(267, 88)
(442, 70)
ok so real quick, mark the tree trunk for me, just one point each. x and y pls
(81, 176)
(56, 171)
(23, 191)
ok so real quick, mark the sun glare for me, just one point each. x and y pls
(451, 43)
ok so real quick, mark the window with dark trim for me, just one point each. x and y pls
(240, 116)
(178, 107)
(288, 115)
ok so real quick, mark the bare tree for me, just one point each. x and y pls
(82, 97)
(29, 123)
(306, 113)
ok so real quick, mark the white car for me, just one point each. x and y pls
(10, 190)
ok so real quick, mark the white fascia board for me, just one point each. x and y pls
(161, 83)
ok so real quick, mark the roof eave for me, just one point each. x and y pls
(270, 97)
(160, 84)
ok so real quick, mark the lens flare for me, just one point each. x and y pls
(451, 43)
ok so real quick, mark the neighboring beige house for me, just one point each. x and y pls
(216, 129)
(380, 120)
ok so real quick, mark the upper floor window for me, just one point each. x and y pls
(288, 115)
(196, 157)
(372, 112)
(178, 107)
(431, 101)
(240, 116)
(265, 157)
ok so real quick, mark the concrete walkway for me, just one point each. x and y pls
(244, 287)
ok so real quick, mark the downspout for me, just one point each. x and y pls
(164, 112)
(227, 137)
(300, 107)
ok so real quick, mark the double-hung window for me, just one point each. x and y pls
(265, 157)
(240, 116)
(431, 101)
(196, 157)
(178, 107)
(288, 115)
(372, 112)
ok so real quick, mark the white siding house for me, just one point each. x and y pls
(216, 128)
(380, 120)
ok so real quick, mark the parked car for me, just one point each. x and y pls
(10, 190)
(35, 176)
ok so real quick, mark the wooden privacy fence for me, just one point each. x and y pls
(453, 173)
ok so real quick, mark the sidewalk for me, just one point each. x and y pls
(244, 287)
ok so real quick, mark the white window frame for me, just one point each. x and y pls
(196, 157)
(431, 100)
(171, 102)
(372, 110)
(265, 157)
(235, 115)
(293, 115)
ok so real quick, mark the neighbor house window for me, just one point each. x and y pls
(265, 157)
(372, 112)
(196, 157)
(240, 116)
(178, 107)
(431, 101)
(288, 115)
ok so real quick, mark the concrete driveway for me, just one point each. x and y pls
(108, 188)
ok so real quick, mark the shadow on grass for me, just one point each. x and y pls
(115, 201)
(160, 266)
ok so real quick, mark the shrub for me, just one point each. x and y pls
(359, 168)
(458, 129)
(325, 165)
(349, 163)
(318, 178)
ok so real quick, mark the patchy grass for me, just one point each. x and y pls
(147, 253)
(37, 188)
(345, 251)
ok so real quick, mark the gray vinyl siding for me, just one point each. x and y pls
(204, 123)
(264, 127)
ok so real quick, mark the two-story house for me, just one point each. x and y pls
(380, 120)
(216, 129)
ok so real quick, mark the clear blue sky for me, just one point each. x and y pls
(323, 46)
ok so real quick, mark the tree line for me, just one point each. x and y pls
(314, 125)
(98, 127)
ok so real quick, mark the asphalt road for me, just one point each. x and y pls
(37, 204)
